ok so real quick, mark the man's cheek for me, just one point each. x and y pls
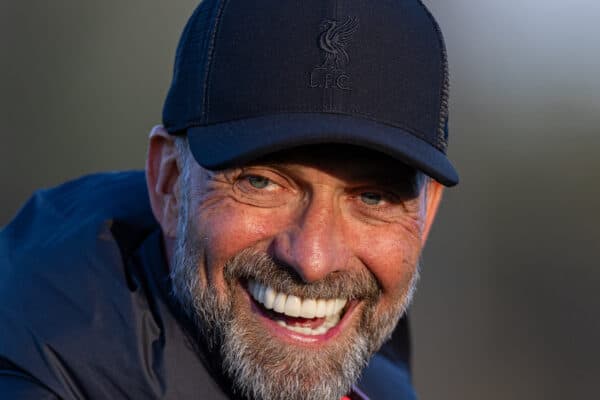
(392, 262)
(229, 231)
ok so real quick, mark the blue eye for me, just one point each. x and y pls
(258, 182)
(371, 198)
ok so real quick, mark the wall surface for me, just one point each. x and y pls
(508, 303)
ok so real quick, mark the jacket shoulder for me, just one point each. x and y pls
(64, 287)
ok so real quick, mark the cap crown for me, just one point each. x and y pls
(380, 60)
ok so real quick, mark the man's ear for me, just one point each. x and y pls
(162, 177)
(433, 197)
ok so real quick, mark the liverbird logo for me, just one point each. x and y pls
(333, 40)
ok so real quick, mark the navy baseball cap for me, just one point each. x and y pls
(256, 77)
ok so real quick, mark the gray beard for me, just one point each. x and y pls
(259, 366)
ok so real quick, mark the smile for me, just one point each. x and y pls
(304, 316)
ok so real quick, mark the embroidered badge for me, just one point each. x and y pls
(333, 40)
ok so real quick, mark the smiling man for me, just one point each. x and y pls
(272, 249)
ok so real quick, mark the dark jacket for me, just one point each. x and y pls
(85, 310)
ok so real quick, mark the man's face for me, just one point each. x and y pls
(297, 267)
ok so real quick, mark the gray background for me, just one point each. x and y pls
(508, 305)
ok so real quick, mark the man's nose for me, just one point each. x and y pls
(314, 244)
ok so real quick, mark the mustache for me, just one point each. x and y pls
(252, 264)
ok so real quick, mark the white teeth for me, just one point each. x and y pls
(309, 308)
(330, 307)
(256, 290)
(321, 309)
(294, 306)
(261, 293)
(279, 303)
(269, 299)
(339, 305)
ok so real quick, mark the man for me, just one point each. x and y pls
(273, 246)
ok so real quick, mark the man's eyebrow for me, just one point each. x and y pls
(227, 175)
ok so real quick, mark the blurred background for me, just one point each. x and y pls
(508, 305)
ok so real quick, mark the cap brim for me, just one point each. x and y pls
(237, 142)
